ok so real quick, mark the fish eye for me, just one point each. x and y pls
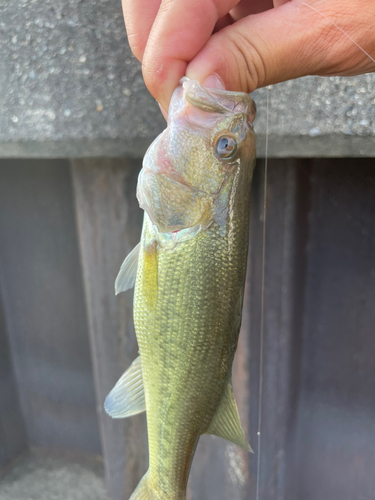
(226, 147)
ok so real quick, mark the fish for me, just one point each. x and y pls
(189, 275)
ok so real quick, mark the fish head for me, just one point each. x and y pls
(209, 135)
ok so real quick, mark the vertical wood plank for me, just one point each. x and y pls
(334, 453)
(43, 301)
(284, 282)
(13, 439)
(109, 225)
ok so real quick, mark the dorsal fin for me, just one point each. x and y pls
(226, 421)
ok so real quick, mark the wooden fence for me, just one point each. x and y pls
(65, 228)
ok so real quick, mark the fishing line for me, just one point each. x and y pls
(340, 29)
(259, 432)
(261, 348)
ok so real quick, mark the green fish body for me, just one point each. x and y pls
(189, 272)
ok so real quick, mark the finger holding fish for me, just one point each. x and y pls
(249, 44)
(289, 42)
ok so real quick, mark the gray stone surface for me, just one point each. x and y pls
(69, 86)
(315, 116)
(48, 477)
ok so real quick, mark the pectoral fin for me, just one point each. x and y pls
(127, 398)
(226, 421)
(128, 271)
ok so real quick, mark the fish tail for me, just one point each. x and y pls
(143, 491)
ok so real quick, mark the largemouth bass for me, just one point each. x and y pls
(189, 274)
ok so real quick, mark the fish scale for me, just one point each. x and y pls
(186, 331)
(189, 280)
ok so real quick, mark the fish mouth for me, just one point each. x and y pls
(218, 100)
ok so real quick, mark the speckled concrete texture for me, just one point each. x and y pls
(69, 87)
(67, 76)
(48, 477)
(315, 116)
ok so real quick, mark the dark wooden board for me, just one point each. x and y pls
(333, 456)
(109, 225)
(43, 304)
(13, 440)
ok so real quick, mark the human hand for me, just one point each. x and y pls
(248, 43)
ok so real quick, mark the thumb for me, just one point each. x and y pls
(287, 42)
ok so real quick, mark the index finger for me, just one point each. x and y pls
(180, 30)
(139, 16)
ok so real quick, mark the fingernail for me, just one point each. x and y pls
(163, 112)
(213, 82)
